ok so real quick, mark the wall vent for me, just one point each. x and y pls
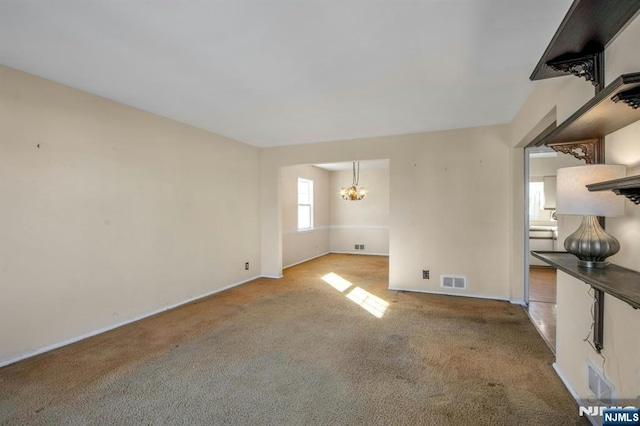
(453, 281)
(602, 389)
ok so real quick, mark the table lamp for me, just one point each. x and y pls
(590, 243)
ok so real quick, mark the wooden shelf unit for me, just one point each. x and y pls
(629, 187)
(588, 26)
(619, 282)
(577, 48)
(599, 117)
(614, 280)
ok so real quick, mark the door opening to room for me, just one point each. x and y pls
(316, 218)
(541, 168)
(542, 236)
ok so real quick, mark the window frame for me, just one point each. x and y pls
(307, 205)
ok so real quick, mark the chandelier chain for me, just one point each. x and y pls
(356, 177)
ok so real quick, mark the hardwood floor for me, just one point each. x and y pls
(542, 302)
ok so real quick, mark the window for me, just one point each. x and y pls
(536, 199)
(305, 204)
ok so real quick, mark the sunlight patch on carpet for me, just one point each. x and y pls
(372, 304)
(337, 282)
(367, 301)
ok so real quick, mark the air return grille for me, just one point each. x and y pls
(601, 387)
(453, 281)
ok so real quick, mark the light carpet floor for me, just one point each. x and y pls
(302, 351)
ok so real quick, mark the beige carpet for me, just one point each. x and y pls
(301, 351)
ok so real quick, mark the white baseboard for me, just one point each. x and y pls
(571, 390)
(360, 252)
(519, 302)
(272, 277)
(306, 260)
(330, 252)
(48, 348)
(443, 293)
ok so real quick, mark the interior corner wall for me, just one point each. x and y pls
(108, 213)
(364, 222)
(574, 303)
(299, 246)
(449, 204)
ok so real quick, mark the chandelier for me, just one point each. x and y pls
(353, 193)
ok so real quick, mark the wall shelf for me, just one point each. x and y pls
(588, 26)
(619, 282)
(629, 187)
(600, 116)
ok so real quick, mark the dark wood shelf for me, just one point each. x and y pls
(588, 25)
(631, 182)
(619, 282)
(629, 187)
(598, 117)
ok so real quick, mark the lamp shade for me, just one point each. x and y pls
(573, 197)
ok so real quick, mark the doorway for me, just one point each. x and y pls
(541, 166)
(334, 225)
(542, 231)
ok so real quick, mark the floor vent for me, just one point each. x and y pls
(452, 281)
(602, 389)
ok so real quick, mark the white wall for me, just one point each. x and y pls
(621, 322)
(360, 222)
(449, 204)
(108, 213)
(299, 246)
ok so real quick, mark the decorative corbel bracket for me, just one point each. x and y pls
(587, 65)
(582, 150)
(630, 97)
(633, 194)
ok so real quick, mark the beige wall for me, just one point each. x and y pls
(361, 222)
(548, 166)
(621, 322)
(298, 246)
(108, 213)
(434, 179)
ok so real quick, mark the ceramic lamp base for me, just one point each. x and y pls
(591, 244)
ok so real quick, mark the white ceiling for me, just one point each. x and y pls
(285, 72)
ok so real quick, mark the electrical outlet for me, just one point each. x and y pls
(246, 266)
(425, 274)
(356, 247)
